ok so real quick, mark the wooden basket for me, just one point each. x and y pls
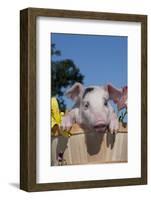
(89, 148)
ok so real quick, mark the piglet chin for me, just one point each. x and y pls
(100, 128)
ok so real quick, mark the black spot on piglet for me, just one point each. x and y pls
(87, 90)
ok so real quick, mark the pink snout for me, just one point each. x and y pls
(100, 126)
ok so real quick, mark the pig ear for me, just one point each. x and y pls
(75, 92)
(114, 93)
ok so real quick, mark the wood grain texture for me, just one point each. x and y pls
(144, 99)
(28, 98)
(90, 148)
(86, 15)
(24, 168)
(27, 101)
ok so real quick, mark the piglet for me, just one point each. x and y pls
(92, 110)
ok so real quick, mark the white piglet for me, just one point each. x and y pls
(92, 110)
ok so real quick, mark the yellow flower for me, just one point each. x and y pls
(55, 113)
(56, 117)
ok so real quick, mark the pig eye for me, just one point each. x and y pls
(105, 102)
(86, 105)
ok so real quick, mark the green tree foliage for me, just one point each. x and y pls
(64, 73)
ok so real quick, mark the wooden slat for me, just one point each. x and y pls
(90, 148)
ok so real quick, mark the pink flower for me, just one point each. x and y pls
(122, 100)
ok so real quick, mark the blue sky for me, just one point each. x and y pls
(101, 59)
